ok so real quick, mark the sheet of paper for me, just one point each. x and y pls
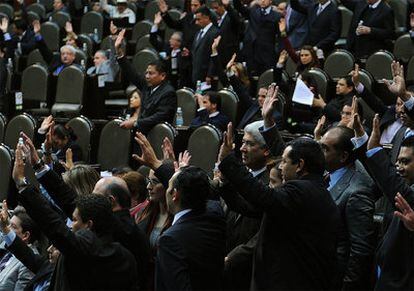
(302, 93)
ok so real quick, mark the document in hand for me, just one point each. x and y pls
(302, 93)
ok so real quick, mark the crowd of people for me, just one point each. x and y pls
(329, 209)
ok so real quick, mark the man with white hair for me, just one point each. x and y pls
(106, 68)
(121, 10)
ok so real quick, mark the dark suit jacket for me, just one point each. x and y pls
(125, 230)
(87, 262)
(325, 28)
(220, 121)
(381, 22)
(230, 32)
(191, 252)
(158, 107)
(200, 54)
(353, 194)
(298, 27)
(296, 248)
(186, 24)
(394, 255)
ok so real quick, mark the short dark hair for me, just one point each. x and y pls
(310, 152)
(408, 142)
(159, 65)
(348, 81)
(218, 2)
(194, 187)
(214, 98)
(343, 142)
(20, 24)
(360, 108)
(27, 224)
(97, 208)
(205, 11)
(122, 195)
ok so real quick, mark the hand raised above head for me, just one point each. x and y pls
(228, 144)
(269, 105)
(148, 157)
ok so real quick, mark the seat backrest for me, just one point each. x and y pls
(379, 65)
(48, 4)
(35, 83)
(85, 39)
(399, 8)
(188, 104)
(7, 9)
(61, 18)
(410, 70)
(50, 33)
(82, 127)
(346, 17)
(321, 79)
(265, 79)
(3, 122)
(203, 145)
(23, 122)
(70, 85)
(6, 164)
(143, 43)
(366, 78)
(37, 8)
(338, 64)
(114, 146)
(79, 56)
(32, 16)
(143, 58)
(404, 48)
(229, 103)
(140, 29)
(90, 21)
(34, 57)
(150, 10)
(157, 135)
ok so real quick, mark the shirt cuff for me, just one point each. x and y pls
(154, 28)
(360, 88)
(279, 66)
(409, 103)
(359, 141)
(7, 36)
(201, 109)
(373, 151)
(42, 172)
(230, 73)
(213, 55)
(9, 238)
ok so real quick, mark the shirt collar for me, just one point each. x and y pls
(205, 29)
(222, 17)
(256, 173)
(375, 5)
(325, 5)
(214, 114)
(335, 176)
(180, 214)
(267, 10)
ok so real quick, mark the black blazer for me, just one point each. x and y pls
(87, 262)
(296, 248)
(200, 54)
(325, 28)
(158, 107)
(186, 24)
(381, 22)
(191, 252)
(394, 255)
(230, 32)
(220, 121)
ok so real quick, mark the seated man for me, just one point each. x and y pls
(22, 38)
(159, 100)
(56, 64)
(209, 111)
(108, 68)
(120, 11)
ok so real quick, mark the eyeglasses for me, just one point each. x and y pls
(153, 181)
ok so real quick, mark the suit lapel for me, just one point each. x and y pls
(341, 185)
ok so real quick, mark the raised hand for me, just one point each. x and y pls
(69, 160)
(231, 62)
(404, 212)
(36, 26)
(162, 6)
(119, 40)
(225, 2)
(68, 27)
(112, 28)
(157, 18)
(355, 122)
(283, 57)
(397, 87)
(4, 218)
(317, 132)
(44, 127)
(269, 105)
(19, 163)
(183, 160)
(48, 140)
(282, 25)
(355, 75)
(34, 156)
(148, 157)
(374, 139)
(167, 149)
(215, 44)
(4, 24)
(228, 145)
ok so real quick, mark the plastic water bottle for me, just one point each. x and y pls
(198, 88)
(85, 9)
(85, 48)
(10, 64)
(361, 22)
(179, 121)
(83, 64)
(95, 35)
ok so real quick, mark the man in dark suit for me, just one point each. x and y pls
(89, 259)
(22, 38)
(201, 48)
(324, 21)
(229, 24)
(189, 28)
(296, 247)
(260, 39)
(352, 191)
(297, 26)
(159, 100)
(209, 111)
(371, 28)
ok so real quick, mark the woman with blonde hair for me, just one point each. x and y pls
(81, 178)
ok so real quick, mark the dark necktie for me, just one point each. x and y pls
(263, 12)
(4, 260)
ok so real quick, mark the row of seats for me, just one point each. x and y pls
(203, 143)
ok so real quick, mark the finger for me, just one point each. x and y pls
(138, 158)
(403, 203)
(5, 206)
(399, 215)
(375, 123)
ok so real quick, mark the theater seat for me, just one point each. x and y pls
(23, 122)
(188, 104)
(82, 127)
(157, 135)
(6, 164)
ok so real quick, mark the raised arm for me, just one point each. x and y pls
(243, 10)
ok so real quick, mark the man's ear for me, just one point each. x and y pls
(300, 166)
(89, 224)
(175, 195)
(26, 236)
(344, 157)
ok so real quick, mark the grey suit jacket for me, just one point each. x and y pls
(15, 276)
(109, 69)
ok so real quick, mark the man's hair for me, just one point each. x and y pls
(159, 65)
(360, 108)
(20, 24)
(194, 187)
(117, 187)
(204, 10)
(102, 52)
(343, 142)
(253, 129)
(219, 2)
(214, 98)
(27, 224)
(96, 208)
(68, 47)
(348, 80)
(408, 142)
(310, 152)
